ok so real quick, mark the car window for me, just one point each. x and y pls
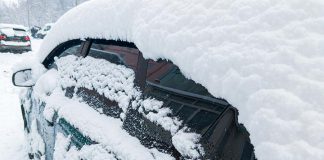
(189, 101)
(121, 60)
(20, 32)
(115, 54)
(71, 50)
(8, 32)
(166, 74)
(68, 48)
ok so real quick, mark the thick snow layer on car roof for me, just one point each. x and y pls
(264, 57)
(4, 25)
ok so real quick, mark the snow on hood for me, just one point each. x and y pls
(264, 57)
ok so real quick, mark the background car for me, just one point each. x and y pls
(34, 30)
(102, 83)
(14, 38)
(43, 32)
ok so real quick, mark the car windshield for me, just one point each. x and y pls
(167, 74)
(19, 32)
(8, 32)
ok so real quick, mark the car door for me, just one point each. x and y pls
(97, 81)
(39, 121)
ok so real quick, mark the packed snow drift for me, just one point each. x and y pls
(264, 57)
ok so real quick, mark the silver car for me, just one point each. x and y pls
(14, 38)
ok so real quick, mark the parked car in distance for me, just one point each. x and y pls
(43, 32)
(14, 38)
(34, 30)
(93, 69)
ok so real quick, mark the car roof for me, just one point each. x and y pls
(16, 26)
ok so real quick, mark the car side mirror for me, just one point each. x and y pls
(23, 78)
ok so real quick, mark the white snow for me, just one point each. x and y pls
(6, 25)
(264, 57)
(35, 140)
(7, 31)
(188, 144)
(152, 110)
(93, 152)
(115, 82)
(12, 139)
(105, 130)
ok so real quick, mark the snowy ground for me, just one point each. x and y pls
(12, 138)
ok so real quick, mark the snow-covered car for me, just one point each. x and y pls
(93, 96)
(14, 38)
(33, 31)
(43, 32)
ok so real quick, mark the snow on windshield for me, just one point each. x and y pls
(264, 57)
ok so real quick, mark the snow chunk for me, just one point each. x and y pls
(188, 144)
(116, 82)
(47, 83)
(152, 110)
(63, 151)
(35, 140)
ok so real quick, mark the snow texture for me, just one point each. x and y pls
(93, 152)
(107, 131)
(264, 57)
(115, 82)
(186, 144)
(152, 110)
(35, 140)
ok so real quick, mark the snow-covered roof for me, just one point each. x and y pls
(265, 57)
(5, 25)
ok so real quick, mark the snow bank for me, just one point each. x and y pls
(264, 57)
